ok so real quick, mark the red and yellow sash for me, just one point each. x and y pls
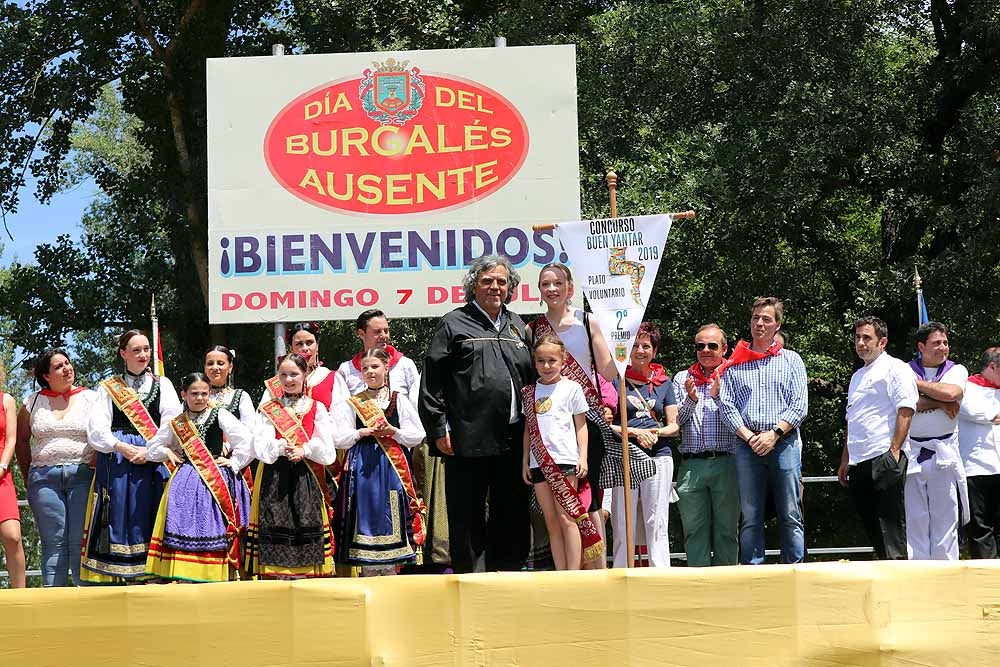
(371, 415)
(289, 427)
(206, 467)
(571, 368)
(127, 400)
(273, 385)
(566, 495)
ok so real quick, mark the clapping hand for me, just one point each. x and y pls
(691, 388)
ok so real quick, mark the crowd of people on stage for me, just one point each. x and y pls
(505, 445)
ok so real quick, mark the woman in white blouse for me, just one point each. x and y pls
(128, 411)
(55, 461)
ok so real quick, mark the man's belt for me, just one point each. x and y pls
(711, 454)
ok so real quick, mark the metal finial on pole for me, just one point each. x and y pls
(277, 49)
(918, 285)
(612, 180)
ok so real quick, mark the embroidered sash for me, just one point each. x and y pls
(371, 415)
(206, 467)
(290, 428)
(566, 495)
(127, 400)
(273, 385)
(572, 369)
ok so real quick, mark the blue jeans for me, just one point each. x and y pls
(781, 469)
(58, 499)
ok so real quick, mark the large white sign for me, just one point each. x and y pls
(615, 262)
(344, 182)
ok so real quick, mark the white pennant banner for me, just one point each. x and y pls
(615, 263)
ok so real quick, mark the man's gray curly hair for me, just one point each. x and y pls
(488, 263)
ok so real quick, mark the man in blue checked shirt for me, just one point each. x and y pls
(709, 498)
(764, 400)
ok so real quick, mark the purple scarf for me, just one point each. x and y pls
(942, 369)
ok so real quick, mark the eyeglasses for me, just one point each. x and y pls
(701, 346)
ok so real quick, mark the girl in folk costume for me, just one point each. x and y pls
(321, 383)
(222, 394)
(205, 506)
(555, 457)
(128, 411)
(219, 370)
(373, 330)
(289, 535)
(380, 517)
(587, 359)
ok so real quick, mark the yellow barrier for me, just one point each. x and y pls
(818, 614)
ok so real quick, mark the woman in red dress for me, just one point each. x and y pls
(10, 515)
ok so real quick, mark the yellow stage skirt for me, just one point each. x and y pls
(898, 614)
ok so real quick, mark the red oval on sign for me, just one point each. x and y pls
(396, 141)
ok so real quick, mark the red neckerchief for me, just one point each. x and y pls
(982, 382)
(394, 356)
(66, 394)
(698, 375)
(744, 353)
(657, 377)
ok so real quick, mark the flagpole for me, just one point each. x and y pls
(917, 283)
(156, 334)
(679, 215)
(612, 180)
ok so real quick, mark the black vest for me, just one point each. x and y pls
(121, 423)
(211, 434)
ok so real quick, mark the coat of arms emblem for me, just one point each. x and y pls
(390, 93)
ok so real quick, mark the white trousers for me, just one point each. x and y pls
(655, 493)
(931, 499)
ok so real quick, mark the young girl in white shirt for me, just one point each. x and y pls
(555, 457)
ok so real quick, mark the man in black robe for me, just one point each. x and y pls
(470, 404)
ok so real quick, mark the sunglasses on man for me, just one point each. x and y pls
(701, 346)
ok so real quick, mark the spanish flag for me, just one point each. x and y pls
(158, 347)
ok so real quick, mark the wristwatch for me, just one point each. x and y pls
(4, 467)
(777, 429)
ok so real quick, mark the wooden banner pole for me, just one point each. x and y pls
(623, 412)
(679, 215)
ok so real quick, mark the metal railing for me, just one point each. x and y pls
(815, 551)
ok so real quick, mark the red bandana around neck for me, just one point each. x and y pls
(394, 356)
(744, 353)
(982, 382)
(657, 375)
(72, 391)
(698, 374)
